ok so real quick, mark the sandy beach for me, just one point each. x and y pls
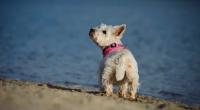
(19, 94)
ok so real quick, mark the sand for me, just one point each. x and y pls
(20, 94)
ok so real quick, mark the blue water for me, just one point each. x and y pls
(48, 41)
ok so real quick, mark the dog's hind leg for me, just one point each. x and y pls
(133, 77)
(133, 86)
(107, 81)
(122, 90)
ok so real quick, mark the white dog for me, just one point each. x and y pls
(118, 65)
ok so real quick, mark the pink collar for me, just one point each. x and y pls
(112, 47)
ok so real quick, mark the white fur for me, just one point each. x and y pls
(118, 67)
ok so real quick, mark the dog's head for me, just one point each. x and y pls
(105, 35)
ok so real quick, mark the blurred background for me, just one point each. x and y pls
(47, 41)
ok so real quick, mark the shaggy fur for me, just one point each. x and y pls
(118, 67)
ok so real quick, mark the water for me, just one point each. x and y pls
(48, 42)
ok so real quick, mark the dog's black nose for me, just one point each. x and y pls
(91, 32)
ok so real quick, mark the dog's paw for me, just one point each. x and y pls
(109, 94)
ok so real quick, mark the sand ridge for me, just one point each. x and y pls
(20, 94)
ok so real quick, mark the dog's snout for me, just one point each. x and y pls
(92, 32)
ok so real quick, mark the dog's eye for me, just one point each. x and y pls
(104, 32)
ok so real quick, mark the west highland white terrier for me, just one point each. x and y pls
(118, 66)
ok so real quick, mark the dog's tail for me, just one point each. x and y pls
(120, 67)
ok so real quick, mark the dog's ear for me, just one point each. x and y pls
(120, 30)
